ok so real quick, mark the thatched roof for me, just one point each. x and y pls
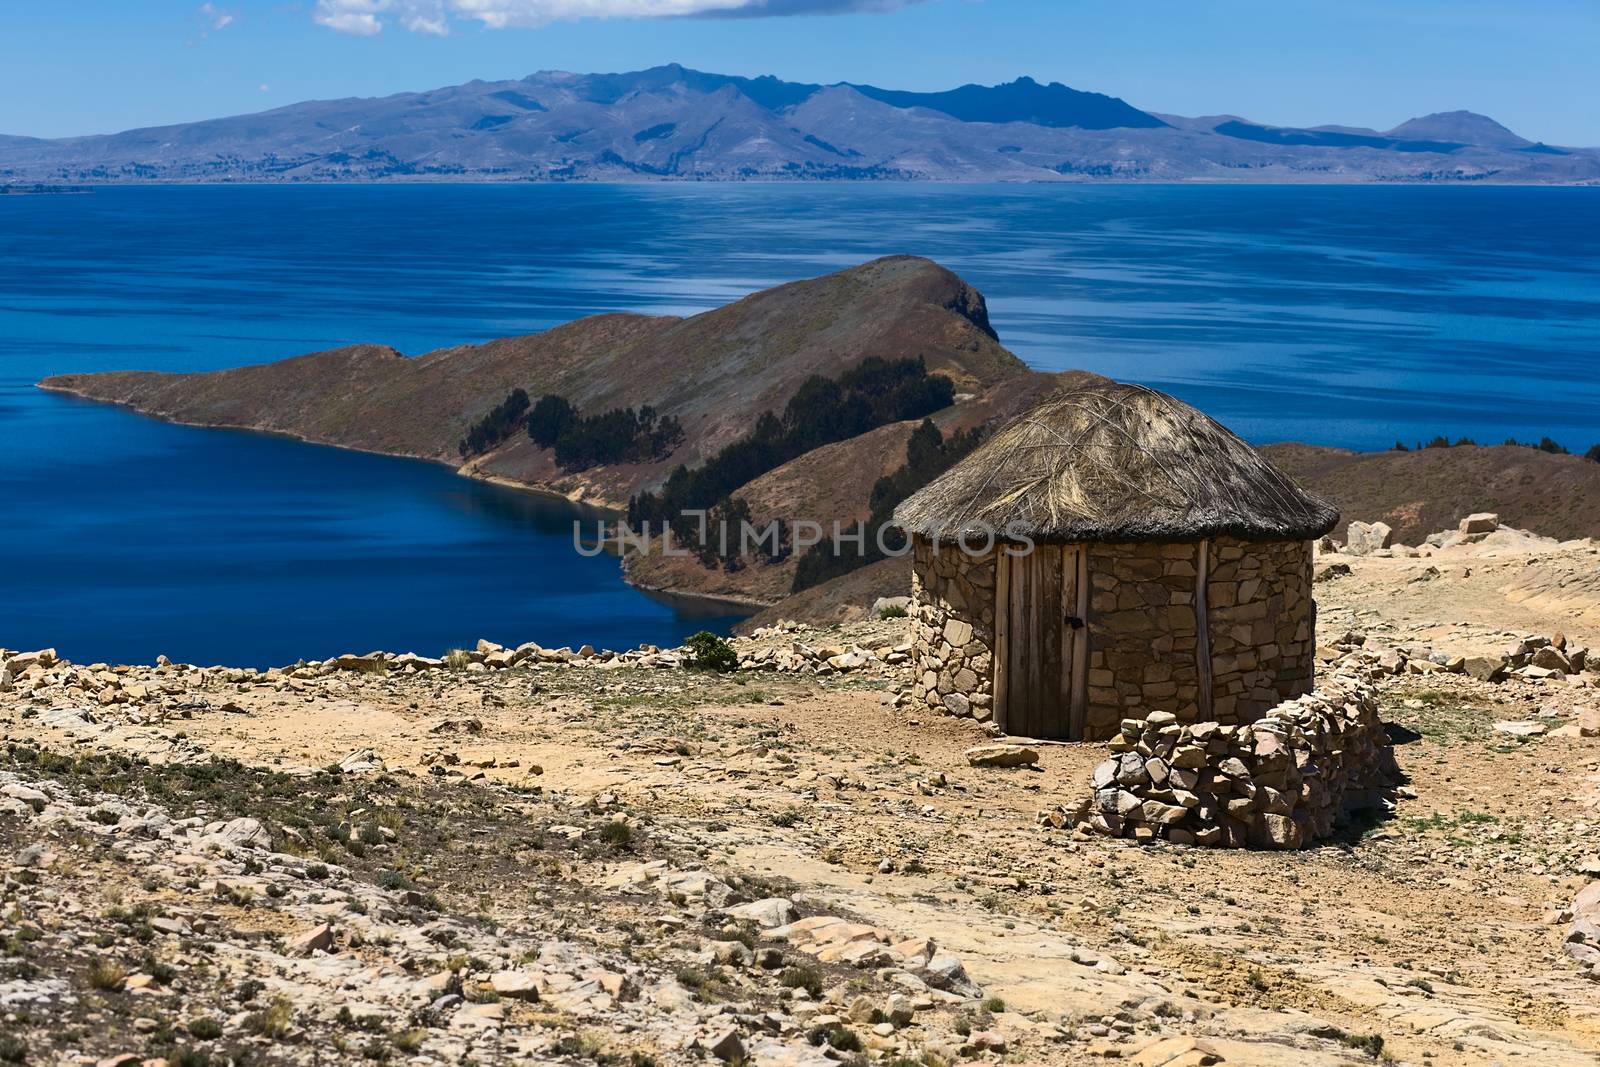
(1114, 462)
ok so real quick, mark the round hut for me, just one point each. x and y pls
(1111, 553)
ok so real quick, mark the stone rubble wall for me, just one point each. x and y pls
(1262, 619)
(1143, 638)
(1278, 783)
(952, 630)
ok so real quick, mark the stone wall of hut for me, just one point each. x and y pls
(1262, 619)
(1143, 639)
(1143, 632)
(953, 605)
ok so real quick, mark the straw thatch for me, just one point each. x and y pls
(1114, 462)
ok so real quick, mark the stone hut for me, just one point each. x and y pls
(1111, 553)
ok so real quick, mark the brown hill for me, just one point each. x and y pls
(1430, 489)
(715, 371)
(834, 483)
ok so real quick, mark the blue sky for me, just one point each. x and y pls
(91, 66)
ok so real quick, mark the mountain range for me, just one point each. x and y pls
(671, 122)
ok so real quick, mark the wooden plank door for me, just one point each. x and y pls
(1040, 654)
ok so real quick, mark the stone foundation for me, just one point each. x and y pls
(952, 638)
(1278, 783)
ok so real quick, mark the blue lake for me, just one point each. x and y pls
(1342, 316)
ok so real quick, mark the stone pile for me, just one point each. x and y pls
(1532, 658)
(1377, 538)
(1280, 782)
(43, 672)
(1582, 941)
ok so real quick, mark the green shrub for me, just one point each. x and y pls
(205, 1028)
(801, 978)
(619, 835)
(711, 653)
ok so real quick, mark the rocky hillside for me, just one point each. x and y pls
(539, 855)
(673, 123)
(1428, 489)
(714, 372)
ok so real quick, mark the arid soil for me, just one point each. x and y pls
(584, 863)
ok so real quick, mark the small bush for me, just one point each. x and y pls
(392, 880)
(801, 978)
(994, 1004)
(711, 653)
(272, 1022)
(409, 1040)
(840, 1037)
(205, 1028)
(619, 835)
(1371, 1044)
(13, 1049)
(106, 974)
(894, 612)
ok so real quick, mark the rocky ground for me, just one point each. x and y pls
(532, 855)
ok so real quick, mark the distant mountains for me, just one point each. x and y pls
(674, 123)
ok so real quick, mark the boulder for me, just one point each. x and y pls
(1481, 522)
(767, 914)
(317, 939)
(239, 833)
(518, 985)
(890, 603)
(1002, 755)
(1363, 538)
(1485, 669)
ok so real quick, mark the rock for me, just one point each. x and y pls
(1551, 658)
(361, 761)
(518, 985)
(767, 914)
(1362, 539)
(1176, 1052)
(727, 1046)
(1521, 728)
(240, 833)
(1481, 522)
(1485, 669)
(987, 1041)
(945, 972)
(317, 939)
(1002, 755)
(890, 603)
(899, 1010)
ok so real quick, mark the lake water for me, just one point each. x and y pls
(1342, 316)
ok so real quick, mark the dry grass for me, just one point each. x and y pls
(1107, 461)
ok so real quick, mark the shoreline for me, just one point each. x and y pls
(740, 607)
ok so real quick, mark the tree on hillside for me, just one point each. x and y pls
(496, 426)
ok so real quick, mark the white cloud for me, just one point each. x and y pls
(209, 19)
(368, 17)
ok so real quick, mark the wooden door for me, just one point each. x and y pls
(1043, 638)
